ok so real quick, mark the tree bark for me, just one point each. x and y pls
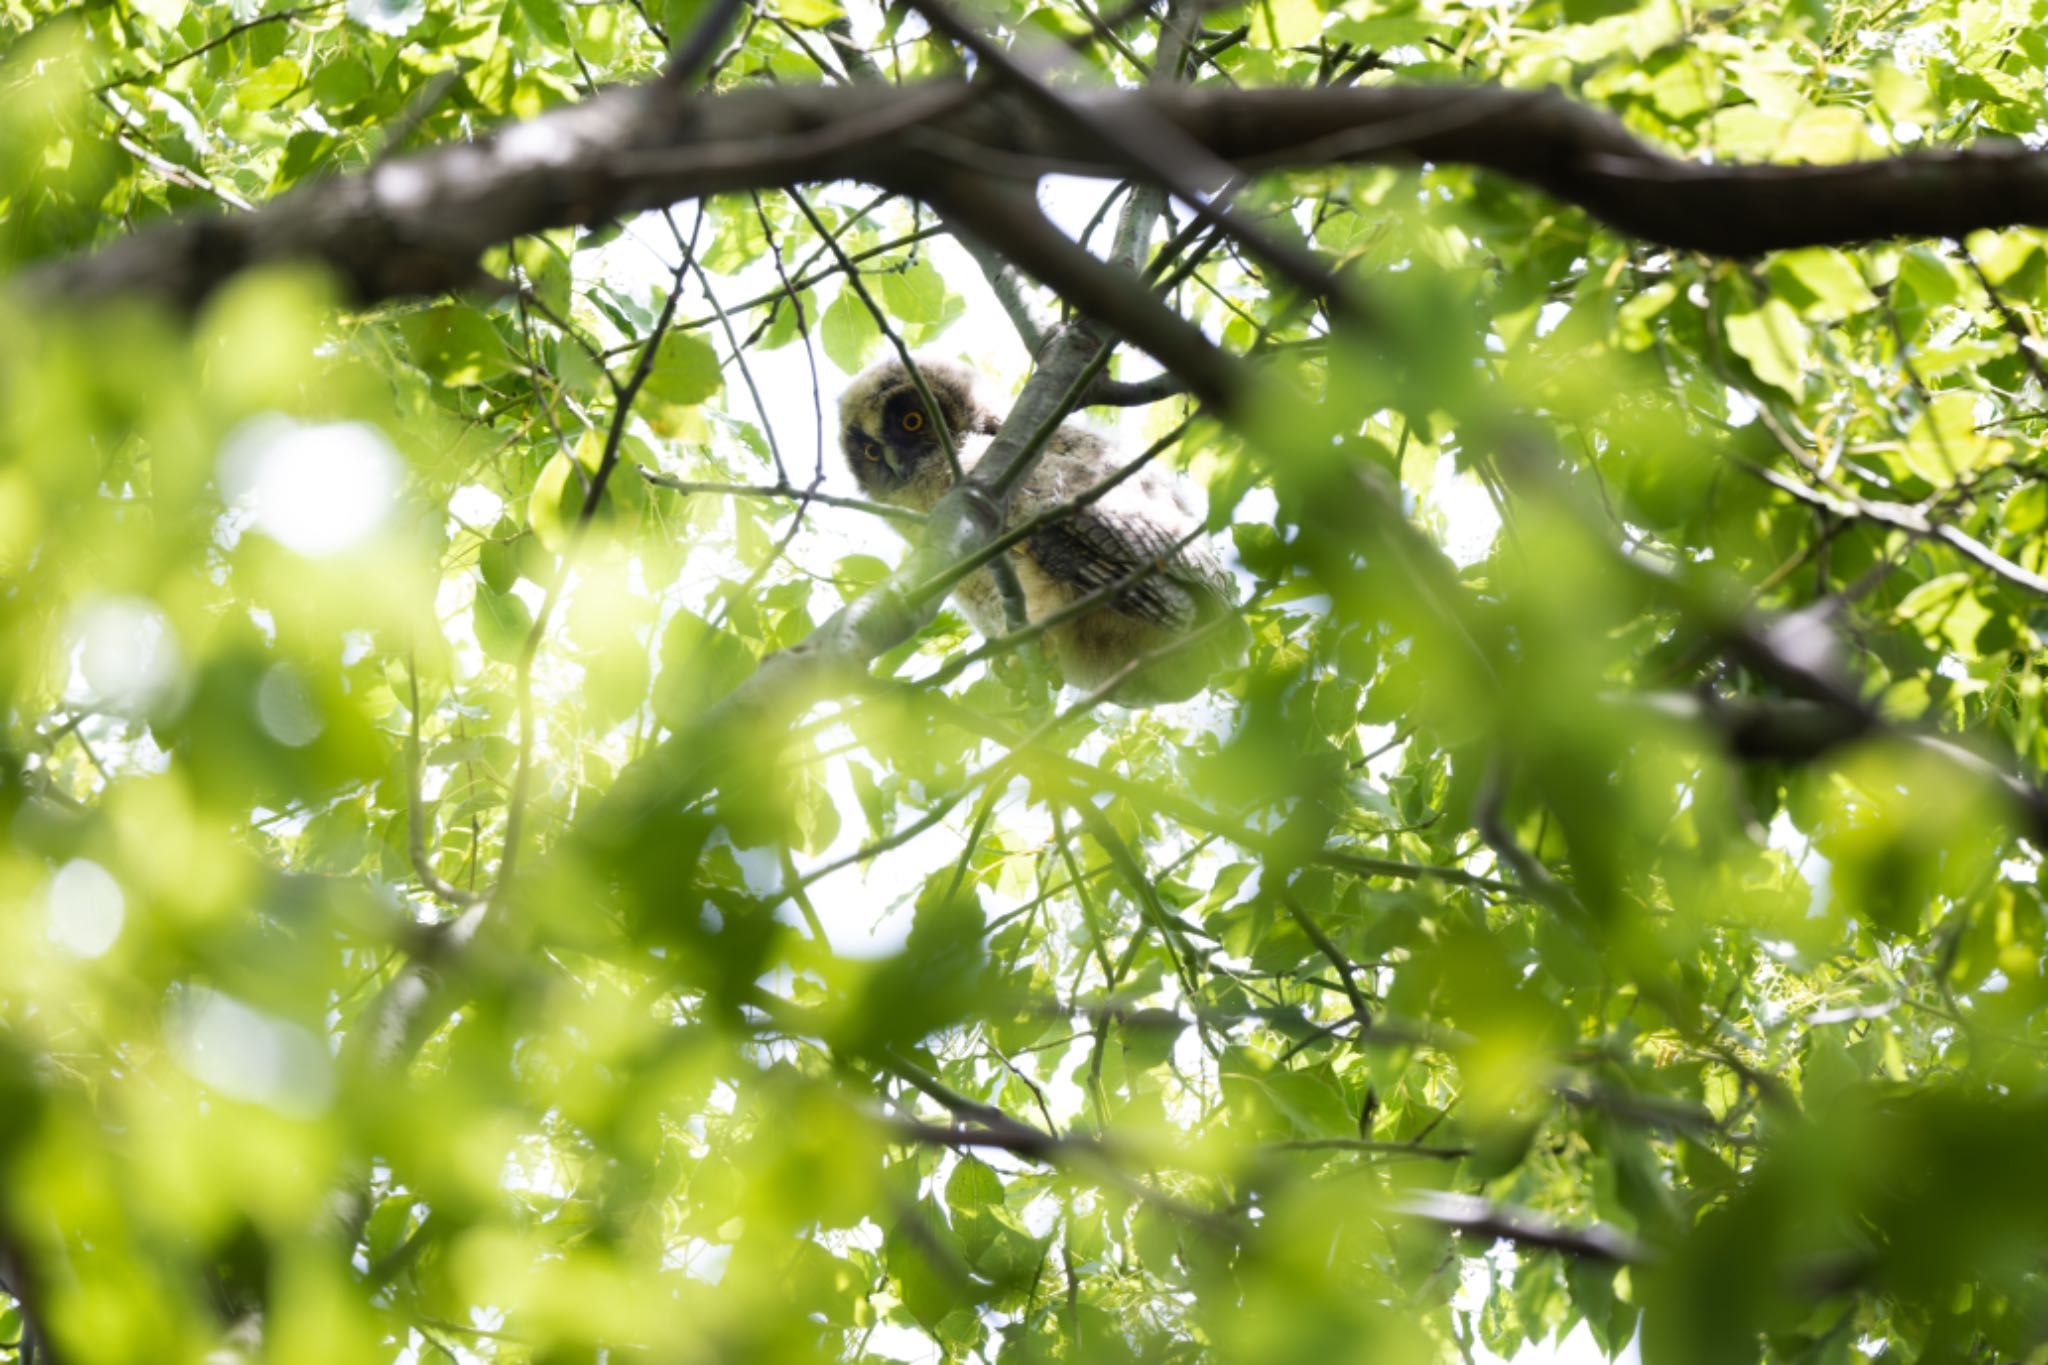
(417, 225)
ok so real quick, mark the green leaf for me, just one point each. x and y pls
(304, 153)
(456, 344)
(915, 293)
(1947, 608)
(926, 1262)
(1832, 285)
(1902, 97)
(783, 328)
(1285, 23)
(848, 332)
(857, 573)
(974, 1185)
(685, 371)
(1943, 442)
(552, 276)
(1634, 317)
(810, 13)
(1774, 342)
(271, 85)
(2026, 511)
(502, 621)
(2004, 255)
(1686, 86)
(499, 563)
(546, 18)
(557, 500)
(1931, 278)
(342, 82)
(1828, 137)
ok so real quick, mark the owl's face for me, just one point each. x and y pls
(890, 440)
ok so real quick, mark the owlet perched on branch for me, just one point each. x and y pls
(895, 453)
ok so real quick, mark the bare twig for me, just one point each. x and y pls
(229, 34)
(785, 491)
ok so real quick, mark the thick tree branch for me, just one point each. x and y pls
(417, 225)
(1007, 215)
(1134, 393)
(1474, 1217)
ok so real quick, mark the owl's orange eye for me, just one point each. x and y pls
(913, 421)
(871, 451)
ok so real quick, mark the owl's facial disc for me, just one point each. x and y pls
(887, 453)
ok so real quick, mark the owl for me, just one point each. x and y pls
(893, 448)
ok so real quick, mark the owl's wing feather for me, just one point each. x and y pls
(1102, 543)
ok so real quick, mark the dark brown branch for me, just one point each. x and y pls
(1369, 1147)
(1473, 1217)
(1134, 393)
(1006, 217)
(416, 225)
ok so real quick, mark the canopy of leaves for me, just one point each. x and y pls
(1606, 895)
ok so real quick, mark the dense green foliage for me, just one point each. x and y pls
(309, 624)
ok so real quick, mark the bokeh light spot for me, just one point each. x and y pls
(287, 713)
(85, 907)
(314, 489)
(249, 1055)
(123, 654)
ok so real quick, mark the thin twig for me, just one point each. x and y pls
(416, 820)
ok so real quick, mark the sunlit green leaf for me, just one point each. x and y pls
(685, 370)
(270, 86)
(848, 332)
(456, 344)
(1831, 279)
(1943, 443)
(503, 621)
(1774, 342)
